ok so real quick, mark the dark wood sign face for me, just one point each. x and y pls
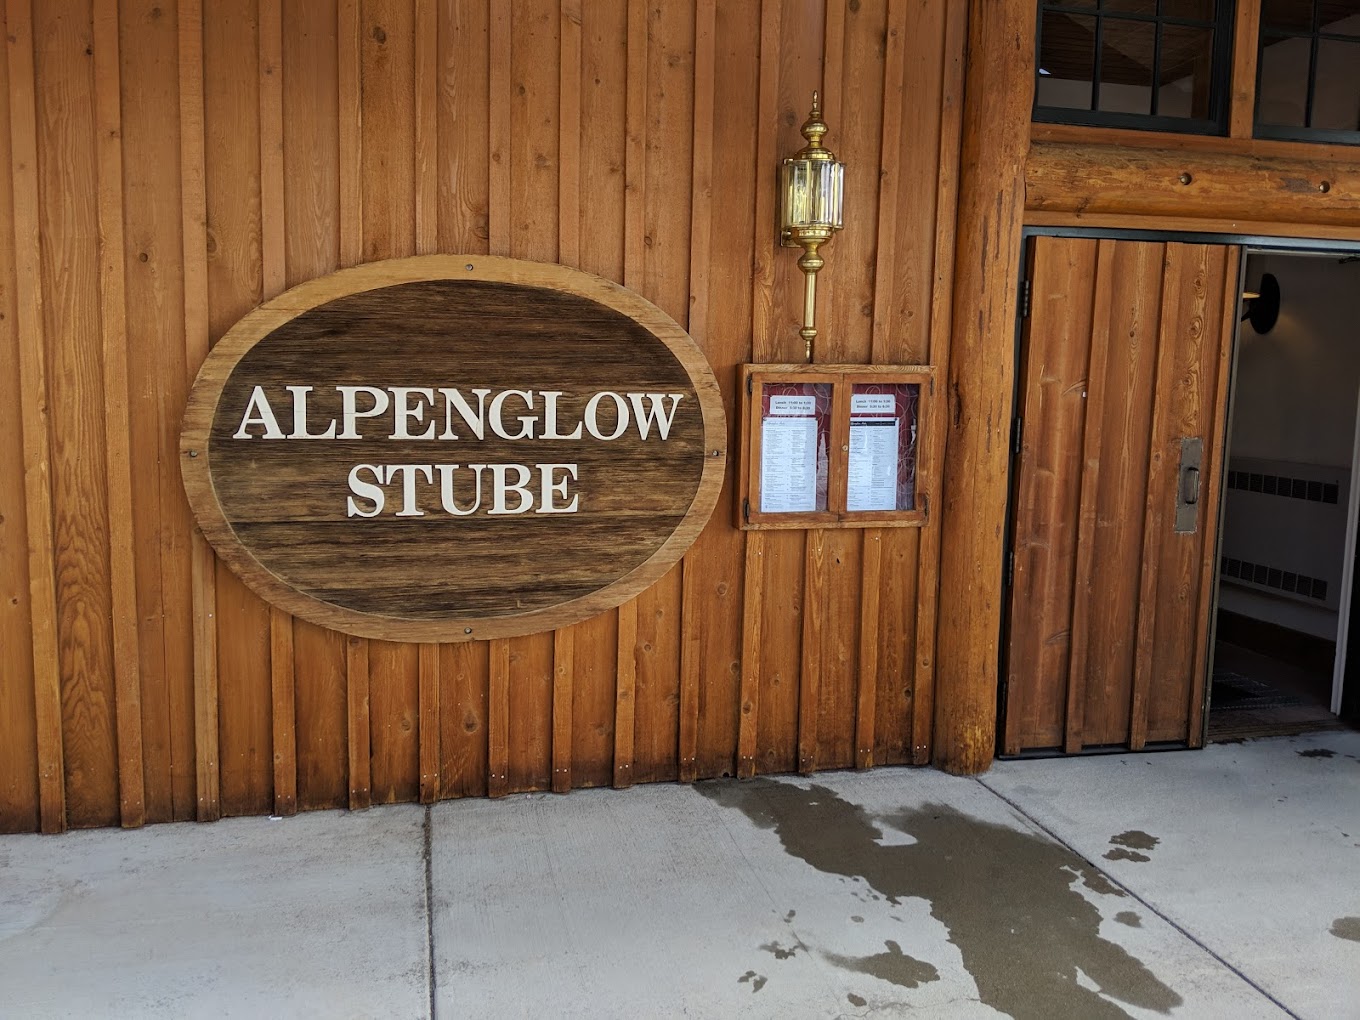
(446, 448)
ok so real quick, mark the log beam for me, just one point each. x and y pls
(1095, 180)
(998, 94)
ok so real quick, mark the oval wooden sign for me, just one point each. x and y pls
(446, 447)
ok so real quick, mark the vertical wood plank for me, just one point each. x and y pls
(1154, 512)
(274, 268)
(349, 87)
(564, 669)
(431, 756)
(569, 135)
(1084, 592)
(70, 276)
(117, 434)
(810, 676)
(624, 703)
(463, 125)
(1242, 105)
(498, 720)
(720, 319)
(161, 524)
(464, 675)
(889, 181)
(19, 768)
(203, 571)
(284, 714)
(1215, 450)
(33, 372)
(762, 314)
(360, 747)
(867, 692)
(948, 84)
(498, 131)
(889, 185)
(426, 75)
(751, 634)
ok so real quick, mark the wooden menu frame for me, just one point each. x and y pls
(840, 381)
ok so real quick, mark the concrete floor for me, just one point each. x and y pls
(1218, 883)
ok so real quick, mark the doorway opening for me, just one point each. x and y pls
(1286, 569)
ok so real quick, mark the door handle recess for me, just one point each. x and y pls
(1187, 487)
(1190, 486)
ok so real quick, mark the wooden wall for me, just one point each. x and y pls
(172, 165)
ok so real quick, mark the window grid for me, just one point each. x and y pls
(1269, 34)
(1219, 28)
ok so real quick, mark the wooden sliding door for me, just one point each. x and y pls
(1122, 405)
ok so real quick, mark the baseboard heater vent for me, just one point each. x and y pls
(1278, 485)
(1274, 577)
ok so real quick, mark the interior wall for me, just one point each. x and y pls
(168, 166)
(1294, 416)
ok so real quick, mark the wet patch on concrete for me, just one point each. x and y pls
(756, 981)
(1347, 928)
(1120, 853)
(780, 952)
(893, 966)
(1317, 752)
(1007, 898)
(1129, 919)
(1135, 840)
(1128, 844)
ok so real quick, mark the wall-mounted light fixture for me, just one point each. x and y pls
(811, 189)
(1262, 306)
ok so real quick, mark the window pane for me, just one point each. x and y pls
(1199, 10)
(1336, 97)
(795, 423)
(1287, 15)
(1066, 61)
(1283, 94)
(1187, 71)
(1339, 17)
(1126, 57)
(1148, 7)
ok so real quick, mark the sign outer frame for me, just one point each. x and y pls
(257, 325)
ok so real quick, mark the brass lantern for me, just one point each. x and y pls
(811, 189)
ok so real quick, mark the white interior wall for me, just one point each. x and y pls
(1295, 403)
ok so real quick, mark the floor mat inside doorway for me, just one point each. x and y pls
(1234, 691)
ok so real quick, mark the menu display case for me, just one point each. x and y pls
(834, 446)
